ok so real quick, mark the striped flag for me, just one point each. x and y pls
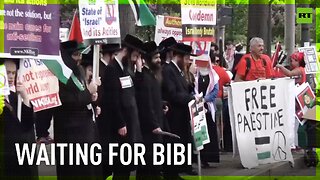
(59, 69)
(263, 146)
(142, 13)
(62, 72)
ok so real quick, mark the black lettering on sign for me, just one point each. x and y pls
(246, 99)
(263, 105)
(272, 96)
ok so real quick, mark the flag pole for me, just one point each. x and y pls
(96, 53)
(19, 105)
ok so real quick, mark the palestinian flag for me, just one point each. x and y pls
(263, 147)
(142, 13)
(62, 72)
(75, 30)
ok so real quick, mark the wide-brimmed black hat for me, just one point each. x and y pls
(167, 43)
(87, 59)
(71, 46)
(133, 43)
(150, 48)
(182, 49)
(110, 48)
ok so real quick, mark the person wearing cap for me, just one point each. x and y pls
(73, 120)
(297, 67)
(260, 64)
(149, 101)
(177, 94)
(120, 123)
(16, 130)
(166, 55)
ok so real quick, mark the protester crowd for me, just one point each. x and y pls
(144, 90)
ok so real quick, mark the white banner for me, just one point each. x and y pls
(41, 85)
(263, 111)
(99, 20)
(168, 26)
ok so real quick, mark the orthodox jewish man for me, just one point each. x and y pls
(108, 52)
(176, 92)
(166, 55)
(149, 100)
(120, 123)
(73, 122)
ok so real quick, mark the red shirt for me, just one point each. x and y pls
(223, 79)
(257, 69)
(303, 77)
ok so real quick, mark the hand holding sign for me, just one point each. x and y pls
(23, 93)
(92, 87)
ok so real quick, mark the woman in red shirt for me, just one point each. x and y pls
(297, 65)
(221, 104)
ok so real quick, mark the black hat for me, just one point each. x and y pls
(71, 46)
(150, 48)
(182, 49)
(87, 59)
(168, 42)
(110, 48)
(133, 43)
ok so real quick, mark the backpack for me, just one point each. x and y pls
(248, 65)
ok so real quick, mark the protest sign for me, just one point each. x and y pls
(311, 59)
(199, 123)
(31, 30)
(305, 97)
(4, 84)
(41, 85)
(168, 26)
(99, 21)
(198, 20)
(262, 113)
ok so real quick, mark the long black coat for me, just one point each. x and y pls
(120, 109)
(73, 122)
(149, 101)
(176, 92)
(13, 131)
